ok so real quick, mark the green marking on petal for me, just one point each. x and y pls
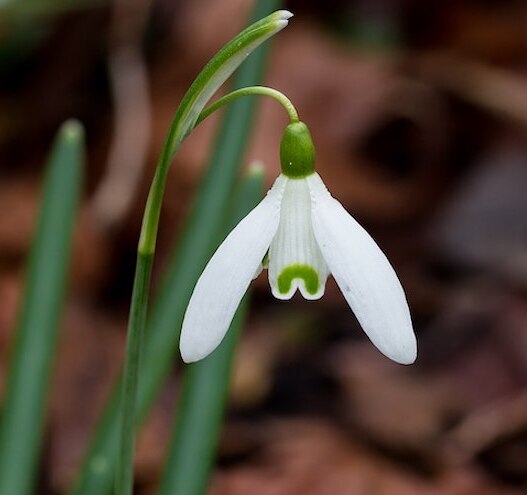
(292, 272)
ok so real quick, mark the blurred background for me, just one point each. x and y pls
(418, 112)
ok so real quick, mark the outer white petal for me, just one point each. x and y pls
(226, 277)
(365, 276)
(294, 247)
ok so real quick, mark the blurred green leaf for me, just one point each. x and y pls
(206, 386)
(34, 349)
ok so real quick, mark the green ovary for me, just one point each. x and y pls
(304, 272)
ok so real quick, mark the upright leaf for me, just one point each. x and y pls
(206, 385)
(36, 336)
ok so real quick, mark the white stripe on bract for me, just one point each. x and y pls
(294, 242)
(365, 276)
(227, 276)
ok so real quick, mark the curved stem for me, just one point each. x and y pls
(212, 76)
(146, 250)
(249, 91)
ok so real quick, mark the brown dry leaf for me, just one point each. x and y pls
(311, 457)
(391, 404)
(10, 293)
(19, 198)
(484, 428)
(91, 255)
(492, 32)
(261, 345)
(155, 436)
(345, 96)
(475, 357)
(479, 226)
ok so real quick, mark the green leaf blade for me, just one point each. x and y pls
(205, 387)
(36, 336)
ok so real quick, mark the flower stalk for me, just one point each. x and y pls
(204, 86)
(250, 91)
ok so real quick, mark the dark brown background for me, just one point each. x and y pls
(419, 114)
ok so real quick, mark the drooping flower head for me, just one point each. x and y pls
(305, 235)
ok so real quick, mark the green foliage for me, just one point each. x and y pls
(36, 336)
(205, 389)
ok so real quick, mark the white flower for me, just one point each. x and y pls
(307, 235)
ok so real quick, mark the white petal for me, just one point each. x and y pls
(259, 269)
(365, 276)
(226, 277)
(295, 261)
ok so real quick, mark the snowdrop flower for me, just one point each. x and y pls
(307, 235)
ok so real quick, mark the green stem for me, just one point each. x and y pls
(146, 250)
(148, 236)
(206, 83)
(145, 255)
(249, 91)
(131, 372)
(137, 321)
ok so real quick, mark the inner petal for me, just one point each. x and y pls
(295, 260)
